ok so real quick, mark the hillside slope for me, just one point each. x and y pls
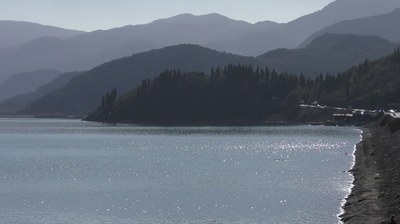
(16, 33)
(82, 94)
(25, 82)
(385, 26)
(329, 53)
(242, 95)
(214, 31)
(291, 34)
(85, 51)
(21, 101)
(371, 85)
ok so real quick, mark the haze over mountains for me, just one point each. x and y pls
(26, 82)
(85, 50)
(83, 92)
(290, 35)
(381, 25)
(326, 53)
(90, 49)
(322, 50)
(15, 33)
(19, 102)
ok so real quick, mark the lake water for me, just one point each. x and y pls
(69, 171)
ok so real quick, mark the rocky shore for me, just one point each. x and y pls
(375, 196)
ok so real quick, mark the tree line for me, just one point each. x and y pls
(243, 93)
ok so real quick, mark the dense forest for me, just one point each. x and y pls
(370, 85)
(243, 93)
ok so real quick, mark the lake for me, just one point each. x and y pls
(71, 171)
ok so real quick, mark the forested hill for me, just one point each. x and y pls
(371, 85)
(81, 95)
(330, 53)
(236, 93)
(243, 94)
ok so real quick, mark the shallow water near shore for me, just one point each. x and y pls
(70, 171)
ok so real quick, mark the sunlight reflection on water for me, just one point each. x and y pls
(68, 171)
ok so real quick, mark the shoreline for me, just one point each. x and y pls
(374, 196)
(351, 185)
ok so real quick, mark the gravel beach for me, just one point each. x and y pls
(375, 196)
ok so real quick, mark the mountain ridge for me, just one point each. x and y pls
(329, 53)
(88, 50)
(293, 33)
(14, 33)
(19, 102)
(384, 25)
(25, 82)
(198, 19)
(125, 72)
(83, 92)
(244, 95)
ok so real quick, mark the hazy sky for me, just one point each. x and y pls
(104, 14)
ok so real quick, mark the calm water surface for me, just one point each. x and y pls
(69, 171)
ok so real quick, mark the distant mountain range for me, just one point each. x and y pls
(87, 50)
(19, 102)
(83, 92)
(341, 35)
(291, 34)
(26, 82)
(15, 33)
(74, 50)
(385, 26)
(330, 52)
